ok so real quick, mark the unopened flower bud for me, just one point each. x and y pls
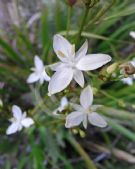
(95, 90)
(112, 68)
(121, 103)
(75, 131)
(82, 133)
(128, 68)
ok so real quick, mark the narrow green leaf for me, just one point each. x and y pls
(124, 131)
(11, 54)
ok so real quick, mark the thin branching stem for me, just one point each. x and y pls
(95, 36)
(81, 151)
(101, 13)
(82, 24)
(69, 19)
(127, 133)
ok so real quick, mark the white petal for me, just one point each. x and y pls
(38, 63)
(79, 78)
(60, 80)
(41, 80)
(19, 126)
(63, 104)
(27, 122)
(45, 76)
(97, 120)
(86, 97)
(133, 62)
(82, 51)
(93, 61)
(62, 47)
(74, 119)
(33, 77)
(128, 81)
(13, 128)
(95, 107)
(132, 34)
(58, 66)
(85, 121)
(77, 107)
(24, 115)
(17, 112)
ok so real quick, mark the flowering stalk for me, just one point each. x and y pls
(68, 19)
(101, 13)
(81, 151)
(88, 4)
(82, 24)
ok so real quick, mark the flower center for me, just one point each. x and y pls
(88, 110)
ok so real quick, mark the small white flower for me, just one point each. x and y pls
(39, 73)
(63, 104)
(72, 65)
(85, 112)
(128, 81)
(132, 34)
(18, 121)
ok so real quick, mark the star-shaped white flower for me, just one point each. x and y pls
(132, 34)
(39, 73)
(72, 65)
(18, 121)
(85, 112)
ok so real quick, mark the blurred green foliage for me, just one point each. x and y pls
(48, 144)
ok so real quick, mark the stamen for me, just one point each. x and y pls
(61, 54)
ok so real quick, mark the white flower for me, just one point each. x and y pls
(18, 121)
(132, 34)
(39, 73)
(85, 112)
(128, 81)
(72, 64)
(63, 104)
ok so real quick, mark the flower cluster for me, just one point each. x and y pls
(72, 66)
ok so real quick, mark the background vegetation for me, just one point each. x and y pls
(27, 29)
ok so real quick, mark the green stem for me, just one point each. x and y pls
(39, 106)
(82, 24)
(69, 19)
(120, 102)
(81, 151)
(118, 114)
(101, 13)
(95, 36)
